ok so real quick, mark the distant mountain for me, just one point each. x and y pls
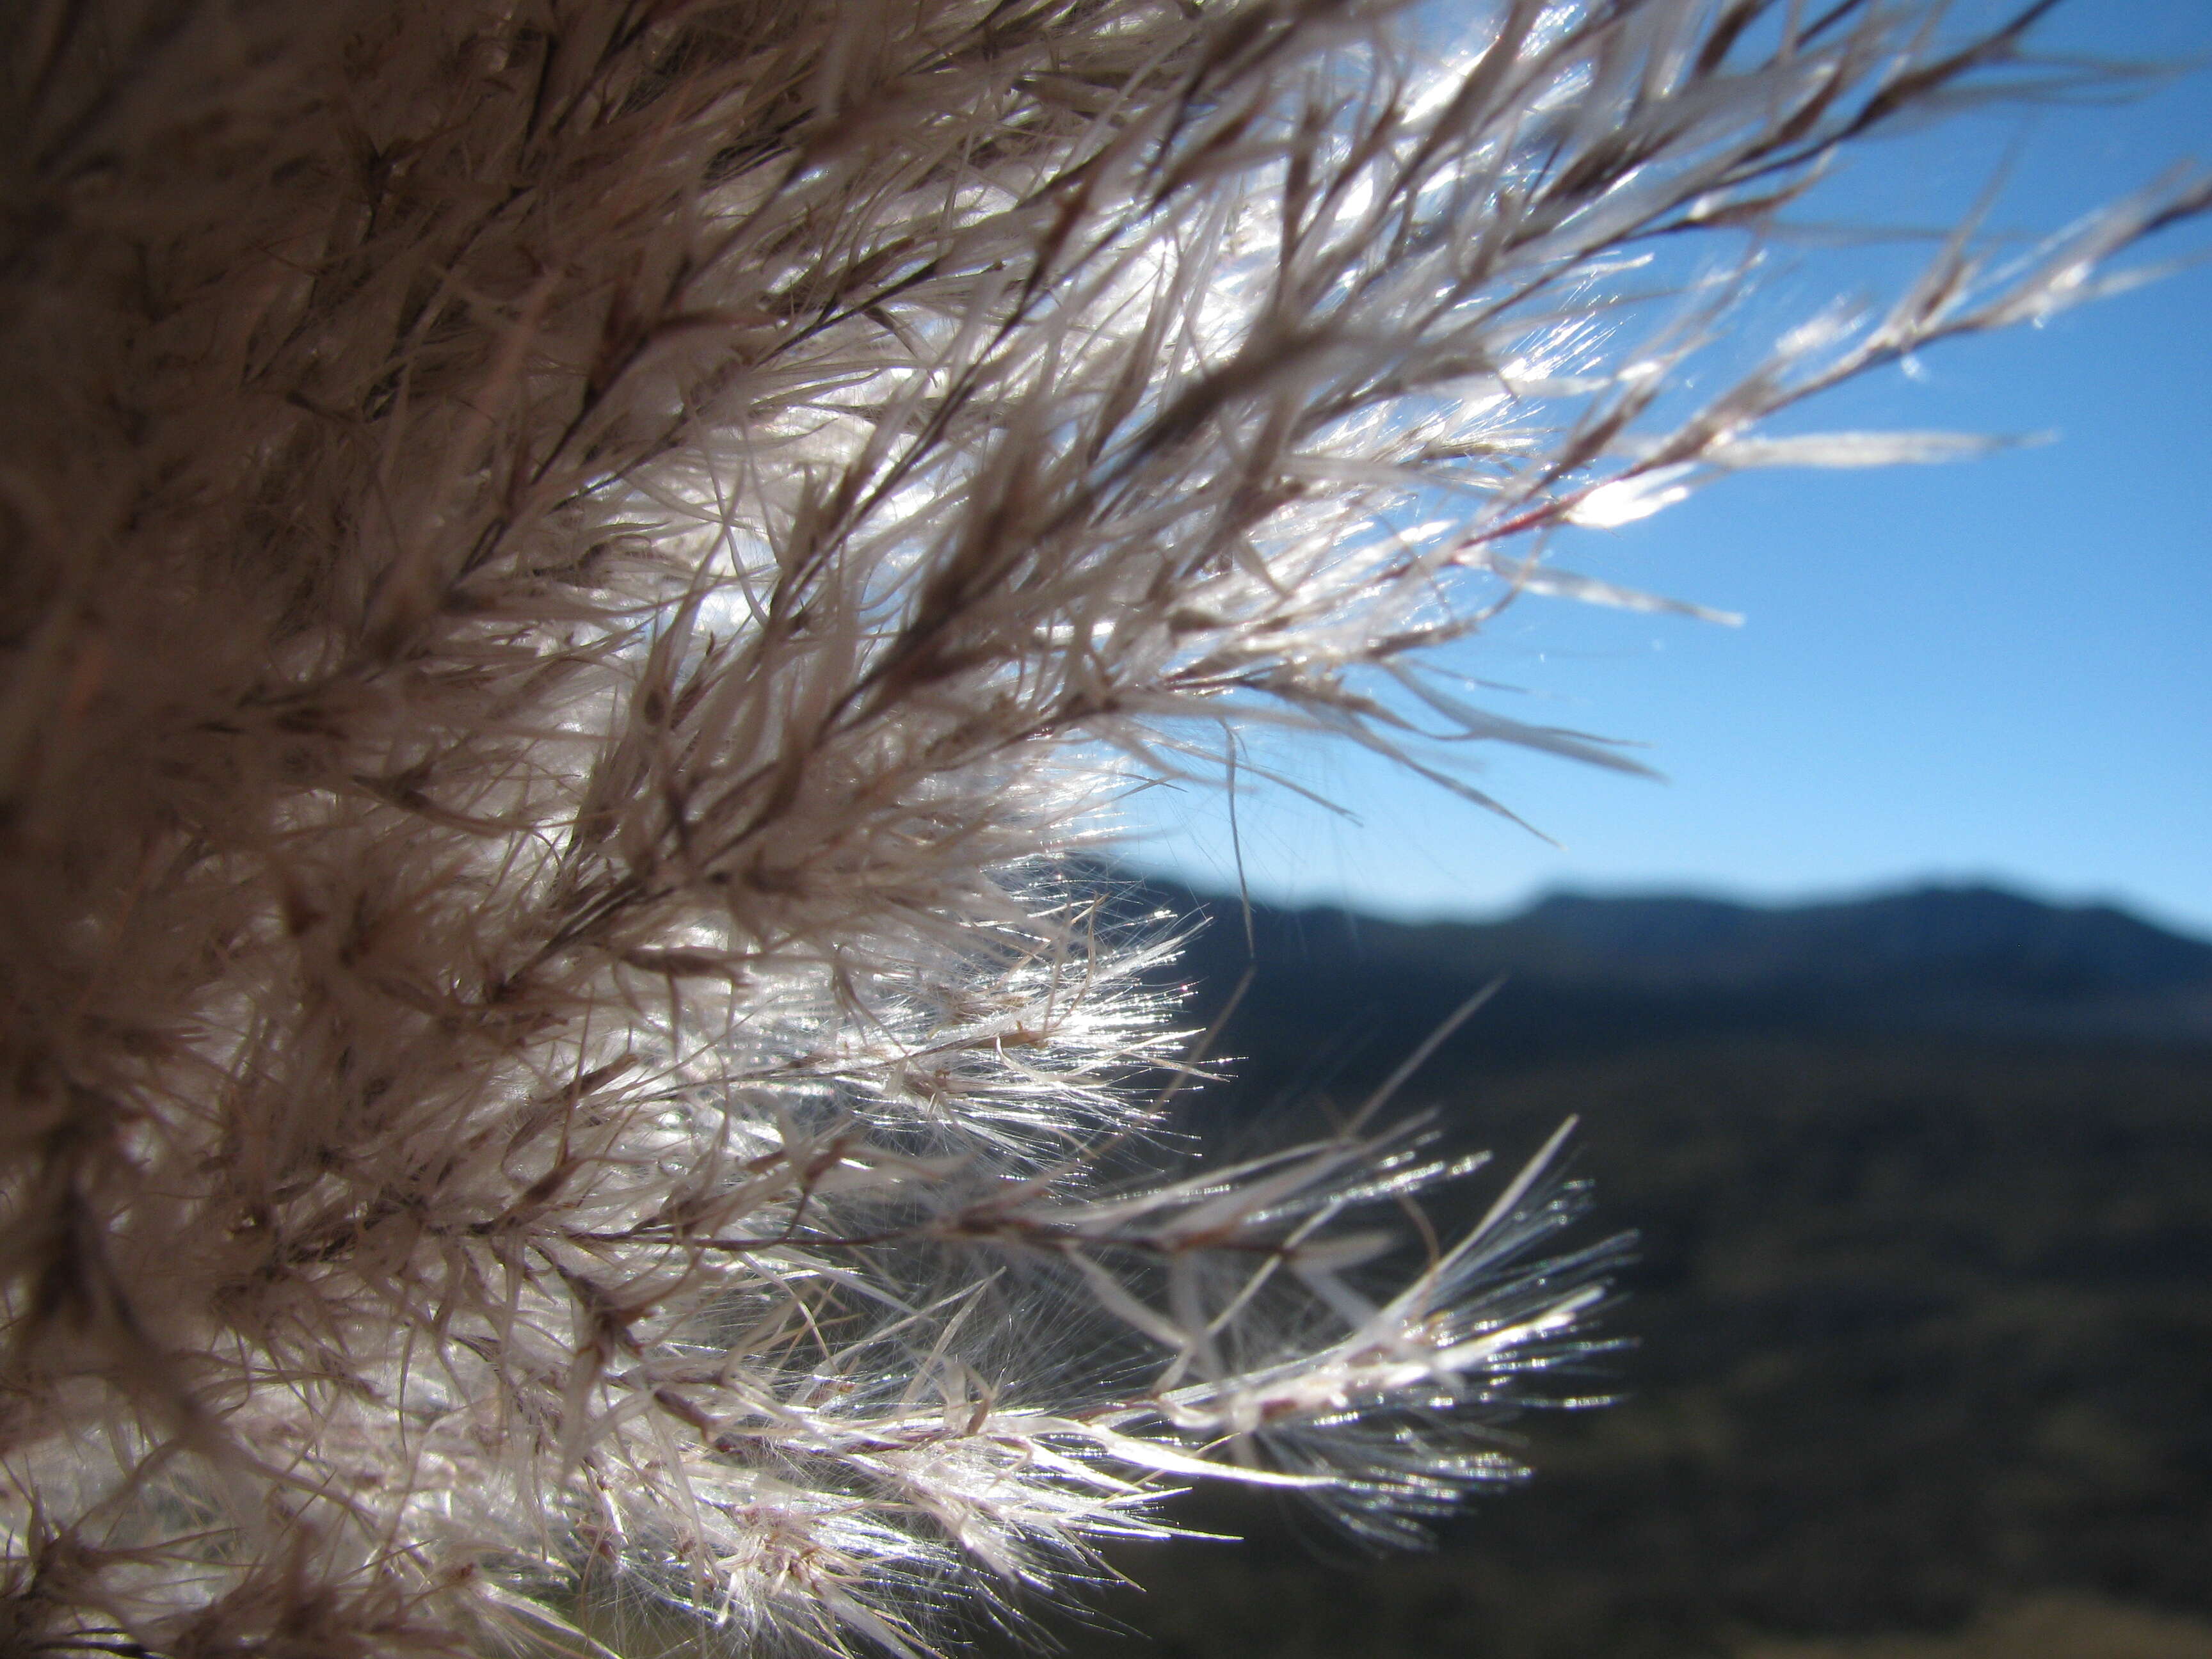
(1921, 1305)
(1589, 973)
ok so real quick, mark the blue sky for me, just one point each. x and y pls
(1992, 671)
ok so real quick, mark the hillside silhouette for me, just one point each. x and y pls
(1586, 976)
(1918, 1330)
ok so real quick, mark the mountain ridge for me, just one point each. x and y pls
(1582, 969)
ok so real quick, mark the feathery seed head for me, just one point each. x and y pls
(572, 574)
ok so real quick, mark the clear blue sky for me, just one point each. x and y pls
(2000, 670)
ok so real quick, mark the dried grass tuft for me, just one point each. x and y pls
(569, 570)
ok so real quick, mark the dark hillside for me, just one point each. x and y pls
(1922, 1304)
(1587, 974)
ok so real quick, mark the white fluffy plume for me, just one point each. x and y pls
(569, 568)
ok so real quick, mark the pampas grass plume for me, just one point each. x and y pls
(572, 573)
